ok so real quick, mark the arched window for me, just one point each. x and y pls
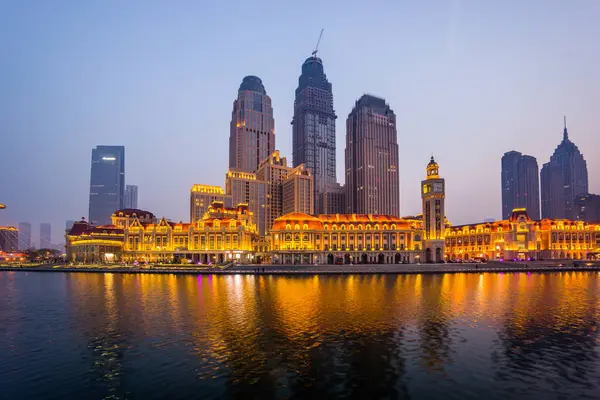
(305, 227)
(288, 226)
(288, 237)
(351, 227)
(417, 238)
(393, 226)
(343, 227)
(334, 227)
(385, 227)
(360, 227)
(326, 227)
(297, 227)
(376, 227)
(368, 227)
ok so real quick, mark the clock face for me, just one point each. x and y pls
(438, 187)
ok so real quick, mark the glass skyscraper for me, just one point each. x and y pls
(314, 127)
(107, 183)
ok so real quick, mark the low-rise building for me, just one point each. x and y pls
(522, 238)
(223, 234)
(299, 238)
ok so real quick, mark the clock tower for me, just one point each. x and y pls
(433, 192)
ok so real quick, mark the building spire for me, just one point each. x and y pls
(565, 133)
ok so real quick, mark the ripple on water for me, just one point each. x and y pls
(155, 336)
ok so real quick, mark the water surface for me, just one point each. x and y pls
(456, 336)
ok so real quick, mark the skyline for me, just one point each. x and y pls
(480, 80)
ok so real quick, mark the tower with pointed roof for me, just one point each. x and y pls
(433, 193)
(573, 170)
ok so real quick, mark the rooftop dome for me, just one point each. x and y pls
(252, 83)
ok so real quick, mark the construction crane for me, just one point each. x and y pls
(314, 53)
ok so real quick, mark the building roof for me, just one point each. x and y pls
(133, 212)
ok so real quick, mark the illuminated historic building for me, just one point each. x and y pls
(299, 238)
(223, 234)
(202, 196)
(87, 243)
(9, 238)
(433, 195)
(372, 180)
(252, 131)
(298, 191)
(313, 126)
(243, 188)
(520, 237)
(574, 177)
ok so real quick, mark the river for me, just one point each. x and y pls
(454, 336)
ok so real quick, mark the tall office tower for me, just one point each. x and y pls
(433, 193)
(45, 236)
(553, 193)
(372, 181)
(131, 197)
(587, 208)
(107, 183)
(298, 188)
(24, 235)
(574, 173)
(313, 126)
(332, 200)
(202, 196)
(520, 184)
(252, 131)
(273, 171)
(9, 238)
(244, 188)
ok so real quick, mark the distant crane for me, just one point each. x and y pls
(314, 53)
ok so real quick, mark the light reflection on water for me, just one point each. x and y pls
(408, 336)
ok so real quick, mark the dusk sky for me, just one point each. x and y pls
(468, 81)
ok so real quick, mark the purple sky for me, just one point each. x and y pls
(468, 80)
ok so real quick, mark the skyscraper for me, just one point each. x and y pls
(252, 131)
(372, 180)
(313, 126)
(520, 184)
(107, 183)
(24, 235)
(553, 193)
(574, 173)
(45, 236)
(131, 197)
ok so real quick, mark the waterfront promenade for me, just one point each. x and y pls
(275, 269)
